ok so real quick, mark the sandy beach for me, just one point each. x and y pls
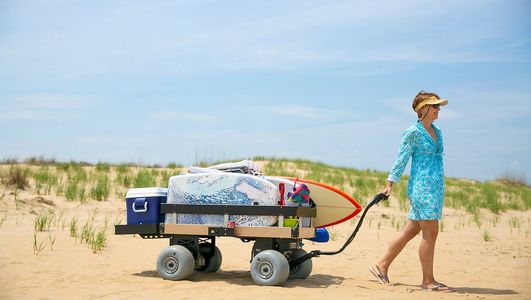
(431, 98)
(480, 259)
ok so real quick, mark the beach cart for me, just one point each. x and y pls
(277, 253)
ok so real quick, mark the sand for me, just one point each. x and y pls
(67, 269)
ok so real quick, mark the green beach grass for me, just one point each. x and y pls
(82, 181)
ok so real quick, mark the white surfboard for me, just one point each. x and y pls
(333, 205)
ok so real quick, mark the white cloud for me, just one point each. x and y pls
(283, 41)
(183, 116)
(123, 141)
(448, 114)
(295, 111)
(519, 44)
(301, 112)
(50, 102)
(95, 140)
(43, 107)
(172, 41)
(483, 105)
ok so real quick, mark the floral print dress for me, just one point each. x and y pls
(426, 184)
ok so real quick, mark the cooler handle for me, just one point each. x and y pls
(140, 210)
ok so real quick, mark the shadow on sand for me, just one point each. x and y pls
(483, 291)
(468, 290)
(244, 278)
(149, 274)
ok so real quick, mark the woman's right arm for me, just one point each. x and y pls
(388, 187)
(407, 147)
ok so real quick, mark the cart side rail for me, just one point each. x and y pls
(217, 209)
(240, 231)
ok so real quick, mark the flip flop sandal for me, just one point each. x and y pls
(441, 288)
(383, 279)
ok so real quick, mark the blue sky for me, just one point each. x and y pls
(332, 81)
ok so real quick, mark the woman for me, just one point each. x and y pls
(423, 143)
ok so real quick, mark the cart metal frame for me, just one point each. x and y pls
(276, 255)
(193, 237)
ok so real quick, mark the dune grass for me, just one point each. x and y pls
(3, 218)
(45, 180)
(487, 236)
(73, 228)
(17, 176)
(38, 245)
(144, 178)
(74, 181)
(82, 181)
(95, 238)
(43, 220)
(101, 189)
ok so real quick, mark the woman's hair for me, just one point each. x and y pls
(422, 95)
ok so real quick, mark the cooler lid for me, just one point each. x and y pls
(147, 192)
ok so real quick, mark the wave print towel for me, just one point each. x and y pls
(221, 188)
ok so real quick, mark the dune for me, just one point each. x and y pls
(480, 259)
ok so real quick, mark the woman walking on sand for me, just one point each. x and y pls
(423, 143)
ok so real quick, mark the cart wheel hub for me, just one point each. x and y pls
(265, 269)
(170, 264)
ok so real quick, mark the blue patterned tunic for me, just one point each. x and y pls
(426, 184)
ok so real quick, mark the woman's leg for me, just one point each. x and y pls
(430, 230)
(411, 229)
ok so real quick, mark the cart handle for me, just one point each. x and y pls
(316, 253)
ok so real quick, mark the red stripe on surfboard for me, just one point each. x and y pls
(346, 196)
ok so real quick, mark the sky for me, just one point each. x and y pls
(155, 82)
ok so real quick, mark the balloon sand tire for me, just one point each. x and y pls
(212, 261)
(269, 267)
(303, 270)
(175, 263)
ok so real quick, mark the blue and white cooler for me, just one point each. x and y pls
(143, 205)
